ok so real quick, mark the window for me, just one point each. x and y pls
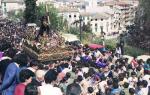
(5, 4)
(75, 16)
(95, 29)
(88, 18)
(101, 27)
(91, 19)
(101, 19)
(95, 19)
(95, 24)
(69, 16)
(83, 18)
(5, 10)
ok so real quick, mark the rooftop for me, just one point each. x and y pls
(67, 9)
(13, 1)
(101, 16)
(97, 15)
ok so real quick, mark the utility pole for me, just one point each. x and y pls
(80, 19)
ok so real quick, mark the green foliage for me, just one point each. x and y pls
(86, 28)
(133, 51)
(30, 11)
(16, 15)
(74, 30)
(109, 44)
(56, 21)
(129, 50)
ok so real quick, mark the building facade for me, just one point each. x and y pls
(11, 5)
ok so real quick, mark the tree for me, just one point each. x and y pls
(30, 14)
(139, 34)
(56, 21)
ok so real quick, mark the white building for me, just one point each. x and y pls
(11, 5)
(107, 16)
(70, 14)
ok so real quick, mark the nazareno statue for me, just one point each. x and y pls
(44, 28)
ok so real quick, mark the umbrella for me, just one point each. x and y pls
(130, 58)
(143, 57)
(95, 46)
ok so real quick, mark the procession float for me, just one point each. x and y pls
(45, 45)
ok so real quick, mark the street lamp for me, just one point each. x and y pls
(80, 20)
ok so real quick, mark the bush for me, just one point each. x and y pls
(109, 44)
(133, 51)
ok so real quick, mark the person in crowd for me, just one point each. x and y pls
(134, 63)
(11, 77)
(131, 91)
(115, 90)
(132, 80)
(39, 78)
(144, 89)
(48, 88)
(90, 91)
(31, 89)
(73, 89)
(118, 51)
(25, 77)
(147, 66)
(138, 88)
(103, 84)
(33, 66)
(6, 60)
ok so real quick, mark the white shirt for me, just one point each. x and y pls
(118, 50)
(30, 68)
(132, 81)
(147, 78)
(77, 58)
(144, 91)
(66, 70)
(48, 89)
(102, 86)
(85, 69)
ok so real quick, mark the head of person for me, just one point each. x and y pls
(126, 85)
(40, 75)
(109, 82)
(148, 61)
(50, 76)
(25, 76)
(79, 78)
(145, 83)
(31, 90)
(68, 75)
(21, 59)
(4, 45)
(11, 52)
(133, 74)
(90, 89)
(73, 89)
(115, 85)
(131, 91)
(34, 64)
(139, 84)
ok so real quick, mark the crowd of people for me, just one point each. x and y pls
(88, 72)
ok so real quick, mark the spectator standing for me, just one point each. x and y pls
(11, 77)
(25, 77)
